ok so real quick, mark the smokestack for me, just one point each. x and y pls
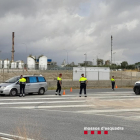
(12, 59)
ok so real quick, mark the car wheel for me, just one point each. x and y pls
(137, 91)
(41, 91)
(13, 92)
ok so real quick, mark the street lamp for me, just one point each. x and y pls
(93, 62)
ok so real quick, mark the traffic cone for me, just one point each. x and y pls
(64, 92)
(71, 89)
(116, 86)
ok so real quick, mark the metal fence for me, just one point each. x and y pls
(67, 75)
(33, 67)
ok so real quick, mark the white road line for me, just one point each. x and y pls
(118, 97)
(41, 107)
(115, 99)
(109, 110)
(62, 95)
(50, 102)
(100, 97)
(117, 92)
(24, 99)
(13, 136)
(5, 138)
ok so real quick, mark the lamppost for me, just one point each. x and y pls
(85, 63)
(93, 62)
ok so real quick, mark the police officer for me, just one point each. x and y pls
(83, 81)
(59, 83)
(113, 82)
(22, 82)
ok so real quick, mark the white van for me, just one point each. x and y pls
(34, 84)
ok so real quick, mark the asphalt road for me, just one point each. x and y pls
(64, 117)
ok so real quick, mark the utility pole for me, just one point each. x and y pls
(111, 49)
(12, 59)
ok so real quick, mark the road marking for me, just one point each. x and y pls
(118, 97)
(115, 99)
(5, 138)
(117, 92)
(109, 110)
(38, 99)
(40, 107)
(13, 136)
(102, 97)
(50, 102)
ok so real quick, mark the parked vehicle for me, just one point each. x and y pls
(136, 88)
(34, 84)
(138, 82)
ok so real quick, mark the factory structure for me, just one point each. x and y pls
(33, 62)
(6, 64)
(37, 63)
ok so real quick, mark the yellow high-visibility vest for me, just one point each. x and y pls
(22, 80)
(83, 80)
(112, 80)
(59, 79)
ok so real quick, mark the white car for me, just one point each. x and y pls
(138, 82)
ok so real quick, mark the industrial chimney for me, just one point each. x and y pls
(12, 59)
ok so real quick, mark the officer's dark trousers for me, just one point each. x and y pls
(113, 84)
(58, 88)
(22, 88)
(82, 86)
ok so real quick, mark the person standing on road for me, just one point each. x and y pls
(22, 82)
(113, 82)
(59, 83)
(83, 82)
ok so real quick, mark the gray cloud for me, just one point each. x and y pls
(48, 27)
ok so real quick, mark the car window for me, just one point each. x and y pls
(12, 80)
(41, 79)
(32, 79)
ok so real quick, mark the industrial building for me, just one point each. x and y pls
(37, 63)
(50, 62)
(63, 63)
(6, 64)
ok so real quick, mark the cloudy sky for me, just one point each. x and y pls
(55, 27)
